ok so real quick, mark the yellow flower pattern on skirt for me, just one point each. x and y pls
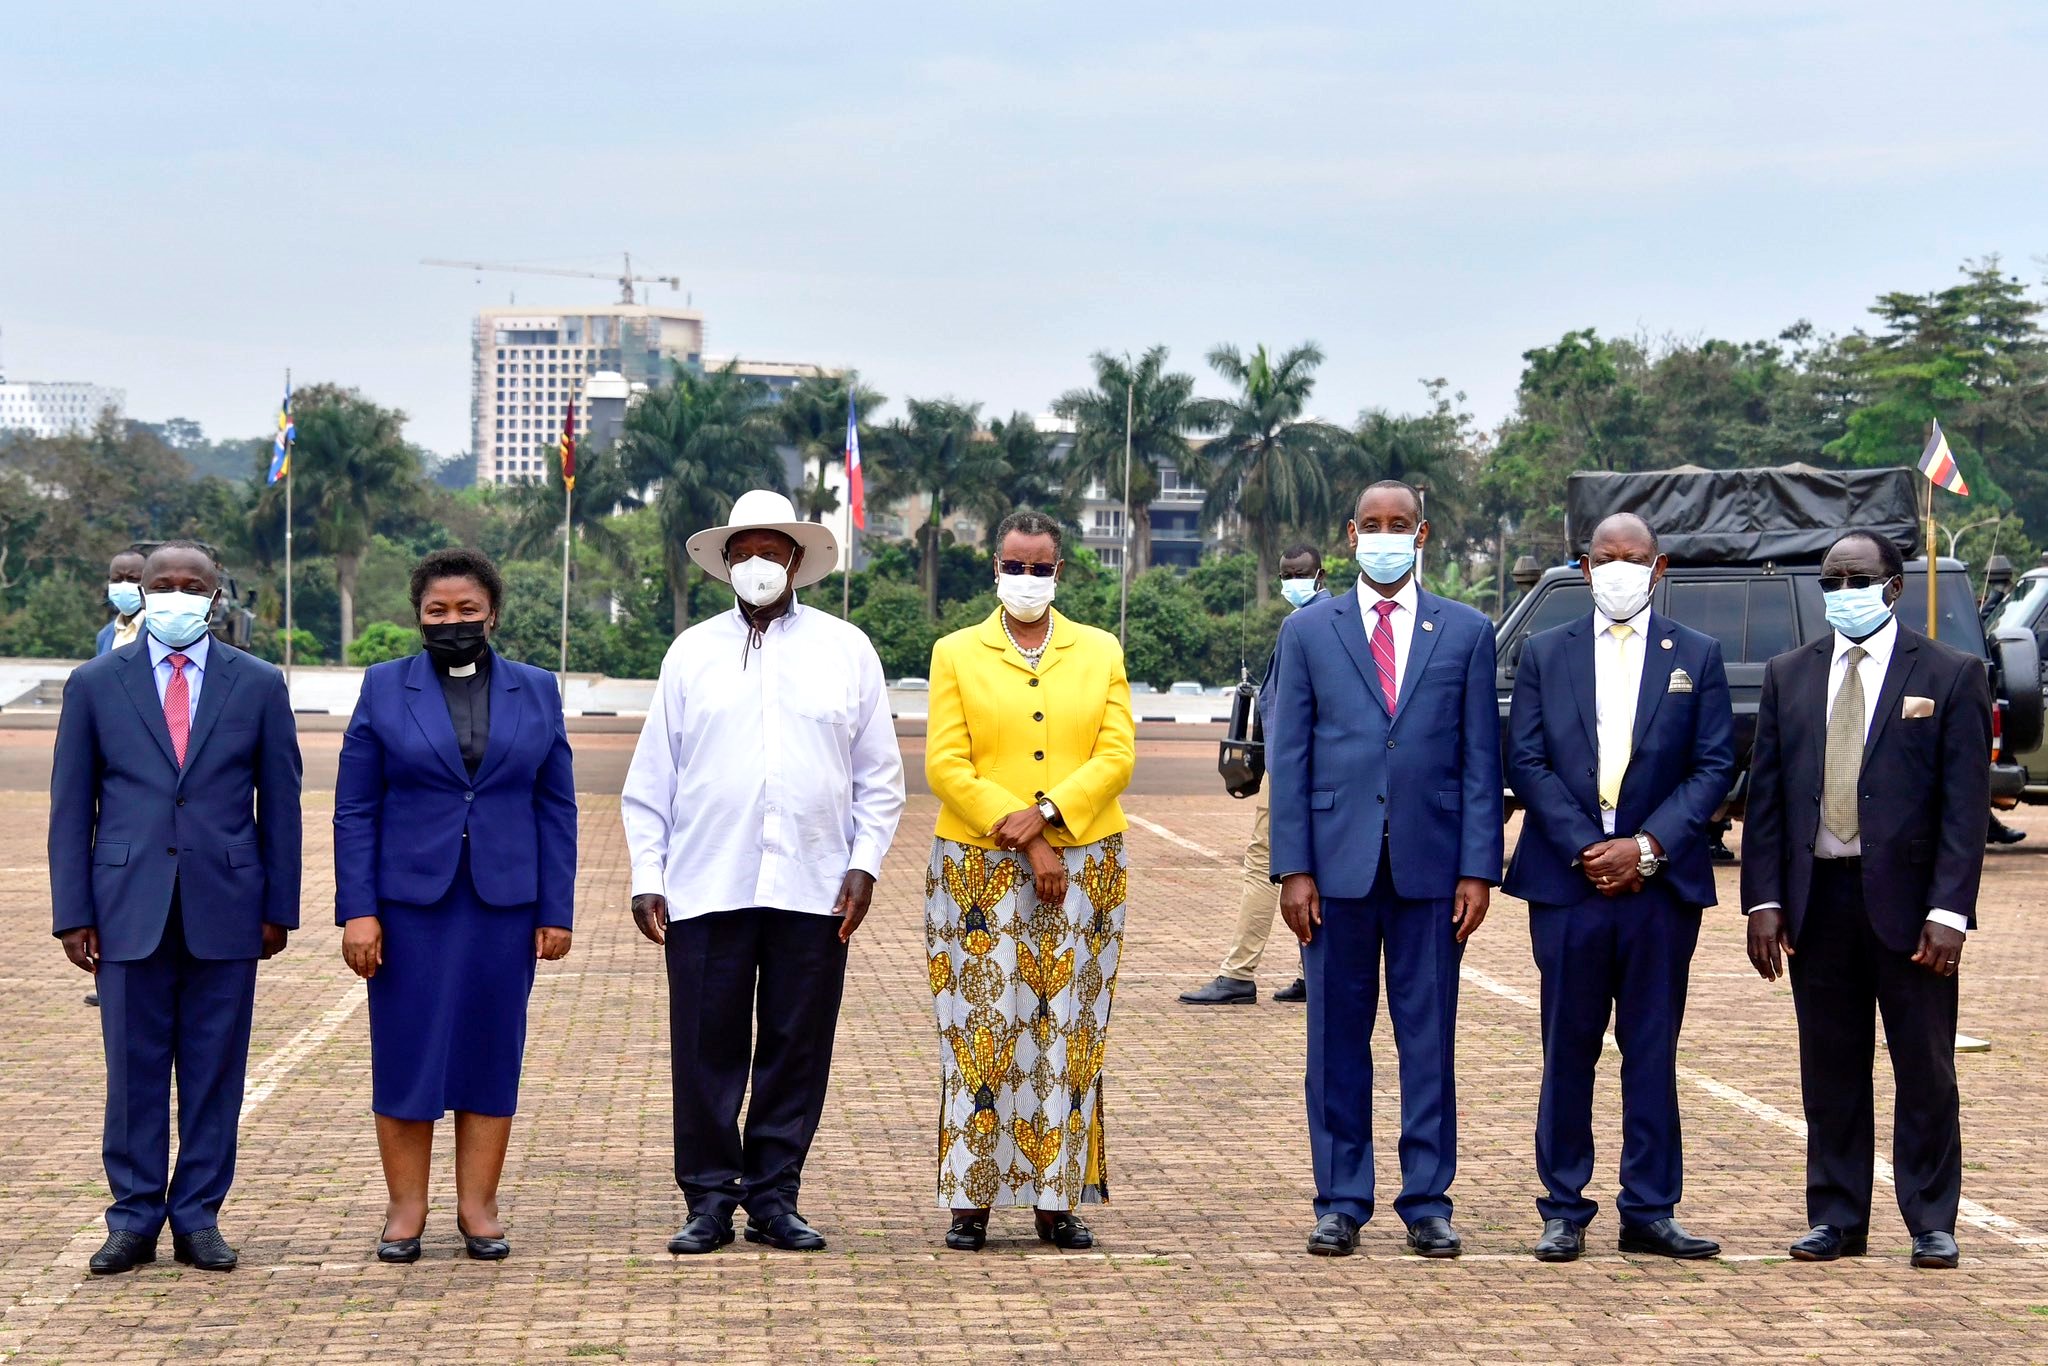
(1022, 993)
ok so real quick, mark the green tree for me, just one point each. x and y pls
(1029, 477)
(895, 618)
(811, 416)
(381, 641)
(602, 489)
(1169, 631)
(934, 456)
(1160, 408)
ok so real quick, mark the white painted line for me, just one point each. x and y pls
(263, 1078)
(1172, 838)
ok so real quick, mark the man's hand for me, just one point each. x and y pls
(1770, 944)
(1940, 950)
(1610, 863)
(1468, 906)
(1301, 905)
(1018, 829)
(1048, 871)
(551, 943)
(362, 945)
(82, 947)
(650, 913)
(274, 937)
(856, 890)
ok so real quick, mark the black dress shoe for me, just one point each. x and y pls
(1336, 1235)
(491, 1249)
(1062, 1229)
(123, 1251)
(1298, 992)
(1224, 991)
(1434, 1237)
(787, 1232)
(699, 1234)
(1666, 1238)
(1562, 1241)
(397, 1251)
(205, 1249)
(1936, 1251)
(2001, 833)
(92, 998)
(968, 1232)
(1825, 1242)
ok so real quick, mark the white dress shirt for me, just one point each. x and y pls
(195, 669)
(1617, 685)
(1870, 671)
(1401, 621)
(763, 776)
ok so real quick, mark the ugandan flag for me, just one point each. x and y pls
(281, 448)
(1938, 463)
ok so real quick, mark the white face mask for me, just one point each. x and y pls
(1025, 596)
(1621, 588)
(759, 581)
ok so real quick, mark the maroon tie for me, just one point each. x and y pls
(178, 707)
(1383, 651)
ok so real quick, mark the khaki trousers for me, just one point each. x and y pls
(1259, 902)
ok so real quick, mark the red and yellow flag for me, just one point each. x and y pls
(568, 446)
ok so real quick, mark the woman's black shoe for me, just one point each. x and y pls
(397, 1250)
(483, 1249)
(1062, 1229)
(968, 1233)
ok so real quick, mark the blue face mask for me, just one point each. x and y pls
(1386, 555)
(1298, 592)
(1856, 612)
(125, 598)
(177, 619)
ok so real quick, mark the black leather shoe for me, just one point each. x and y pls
(2001, 833)
(1562, 1241)
(92, 998)
(491, 1249)
(1063, 1230)
(397, 1251)
(123, 1251)
(1336, 1235)
(788, 1232)
(1224, 991)
(1825, 1242)
(699, 1234)
(1936, 1251)
(205, 1249)
(1296, 993)
(1434, 1237)
(968, 1232)
(1666, 1238)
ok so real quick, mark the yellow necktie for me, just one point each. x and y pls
(1614, 758)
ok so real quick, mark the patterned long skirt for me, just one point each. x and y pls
(1023, 991)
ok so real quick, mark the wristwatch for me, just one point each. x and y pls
(1049, 811)
(1647, 863)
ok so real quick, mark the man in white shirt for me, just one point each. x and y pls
(1862, 847)
(760, 802)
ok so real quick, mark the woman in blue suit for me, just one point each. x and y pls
(455, 869)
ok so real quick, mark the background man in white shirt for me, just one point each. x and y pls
(759, 805)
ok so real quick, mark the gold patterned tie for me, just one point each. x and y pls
(1614, 758)
(1844, 764)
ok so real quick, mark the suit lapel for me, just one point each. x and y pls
(138, 677)
(1905, 651)
(996, 638)
(1656, 682)
(506, 711)
(216, 684)
(1350, 627)
(1062, 640)
(1584, 678)
(429, 710)
(1428, 625)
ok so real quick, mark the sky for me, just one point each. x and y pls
(968, 199)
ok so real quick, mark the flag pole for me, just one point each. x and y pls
(564, 452)
(288, 548)
(1931, 549)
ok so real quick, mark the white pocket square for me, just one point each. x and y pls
(1681, 681)
(1913, 708)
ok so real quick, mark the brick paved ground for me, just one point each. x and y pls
(1201, 1253)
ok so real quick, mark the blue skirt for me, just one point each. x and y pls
(448, 1005)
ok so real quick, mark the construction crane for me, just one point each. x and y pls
(626, 278)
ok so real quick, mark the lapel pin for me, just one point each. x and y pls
(1429, 626)
(1666, 642)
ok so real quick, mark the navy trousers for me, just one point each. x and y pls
(1341, 963)
(164, 1014)
(1628, 957)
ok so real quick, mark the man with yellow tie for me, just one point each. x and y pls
(1620, 748)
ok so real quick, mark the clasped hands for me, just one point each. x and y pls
(1024, 832)
(1614, 866)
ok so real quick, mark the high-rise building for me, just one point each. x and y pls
(55, 408)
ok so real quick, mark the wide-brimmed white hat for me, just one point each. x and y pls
(766, 510)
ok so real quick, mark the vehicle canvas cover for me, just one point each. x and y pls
(1790, 514)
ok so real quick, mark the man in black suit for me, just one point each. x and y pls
(1862, 849)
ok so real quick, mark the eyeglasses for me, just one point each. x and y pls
(1036, 571)
(1835, 583)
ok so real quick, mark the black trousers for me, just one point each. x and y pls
(1839, 972)
(752, 996)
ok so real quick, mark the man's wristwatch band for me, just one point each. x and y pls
(1647, 862)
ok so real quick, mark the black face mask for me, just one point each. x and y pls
(452, 644)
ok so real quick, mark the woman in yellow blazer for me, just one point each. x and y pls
(1028, 747)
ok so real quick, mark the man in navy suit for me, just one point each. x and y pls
(174, 867)
(1386, 827)
(124, 595)
(1620, 748)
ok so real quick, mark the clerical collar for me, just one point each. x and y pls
(462, 670)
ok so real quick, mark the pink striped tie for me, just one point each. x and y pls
(1383, 651)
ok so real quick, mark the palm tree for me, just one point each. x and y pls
(934, 453)
(1432, 451)
(698, 442)
(1267, 461)
(1030, 477)
(352, 471)
(1161, 416)
(601, 490)
(812, 418)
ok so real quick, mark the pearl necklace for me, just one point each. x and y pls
(1031, 657)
